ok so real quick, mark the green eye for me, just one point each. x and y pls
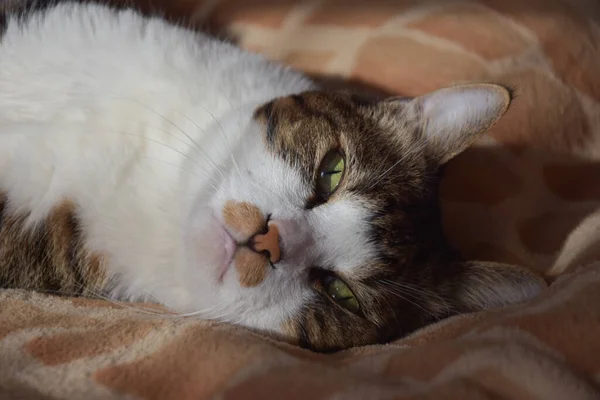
(330, 173)
(341, 294)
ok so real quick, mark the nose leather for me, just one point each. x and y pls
(269, 241)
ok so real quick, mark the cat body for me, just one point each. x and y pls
(141, 161)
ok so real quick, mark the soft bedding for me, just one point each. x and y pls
(528, 193)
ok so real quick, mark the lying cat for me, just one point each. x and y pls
(140, 161)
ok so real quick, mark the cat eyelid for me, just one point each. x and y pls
(318, 275)
(336, 147)
(318, 197)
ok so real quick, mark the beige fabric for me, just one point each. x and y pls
(59, 348)
(529, 193)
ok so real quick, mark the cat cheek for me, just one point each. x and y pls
(251, 267)
(290, 330)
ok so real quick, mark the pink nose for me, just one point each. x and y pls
(269, 241)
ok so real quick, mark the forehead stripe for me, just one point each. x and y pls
(271, 123)
(323, 108)
(302, 106)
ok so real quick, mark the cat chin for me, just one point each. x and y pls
(226, 248)
(208, 247)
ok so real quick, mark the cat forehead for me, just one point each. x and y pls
(300, 129)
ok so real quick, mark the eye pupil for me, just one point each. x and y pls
(330, 175)
(339, 292)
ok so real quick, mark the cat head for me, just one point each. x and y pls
(326, 230)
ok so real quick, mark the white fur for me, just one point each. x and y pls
(147, 128)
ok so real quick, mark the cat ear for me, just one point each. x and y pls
(485, 285)
(453, 118)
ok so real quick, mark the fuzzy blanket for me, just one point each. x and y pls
(57, 348)
(528, 193)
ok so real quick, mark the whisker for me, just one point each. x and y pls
(201, 168)
(240, 127)
(417, 147)
(414, 292)
(176, 127)
(204, 313)
(403, 297)
(98, 295)
(212, 185)
(414, 289)
(221, 133)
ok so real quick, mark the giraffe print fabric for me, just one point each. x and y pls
(65, 348)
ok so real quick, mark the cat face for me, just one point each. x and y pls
(326, 230)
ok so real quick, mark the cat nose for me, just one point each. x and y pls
(268, 242)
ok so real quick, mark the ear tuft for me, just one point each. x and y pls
(485, 285)
(454, 117)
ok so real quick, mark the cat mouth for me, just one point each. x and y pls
(229, 247)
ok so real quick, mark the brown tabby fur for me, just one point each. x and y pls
(48, 256)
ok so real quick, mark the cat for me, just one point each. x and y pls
(142, 161)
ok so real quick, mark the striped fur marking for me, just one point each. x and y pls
(49, 256)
